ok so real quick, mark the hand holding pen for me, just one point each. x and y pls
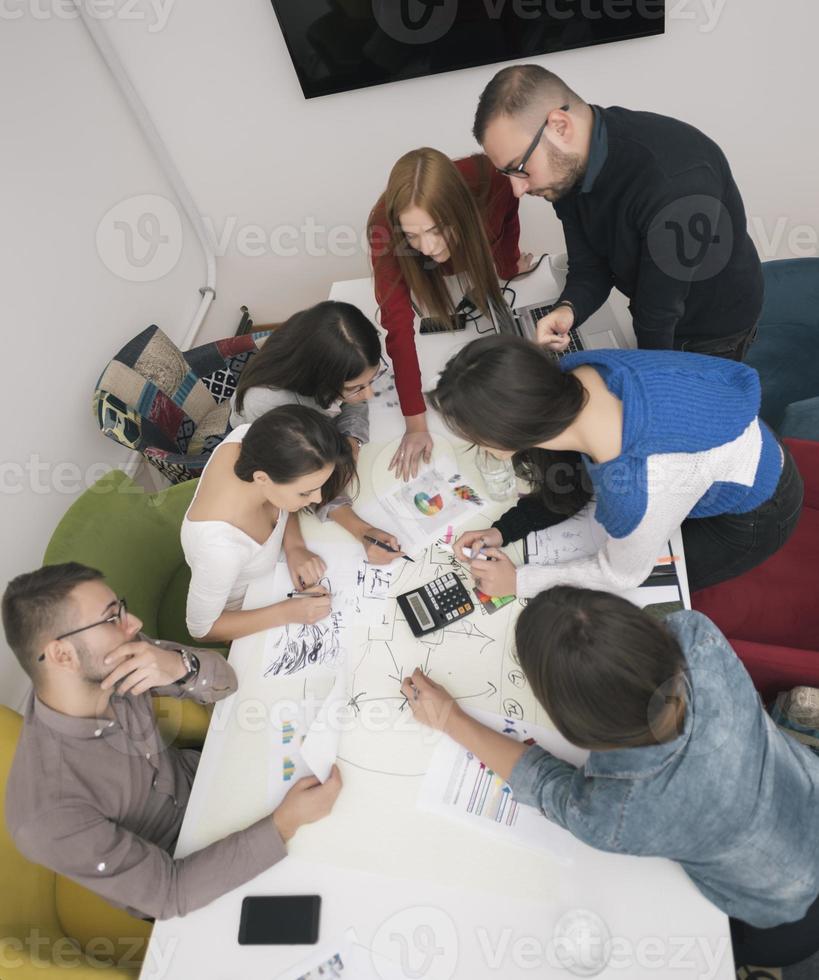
(381, 547)
(469, 545)
(309, 605)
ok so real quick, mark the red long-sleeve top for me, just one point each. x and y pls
(502, 225)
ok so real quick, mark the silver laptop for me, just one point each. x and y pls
(600, 331)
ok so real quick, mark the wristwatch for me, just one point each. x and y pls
(566, 302)
(191, 664)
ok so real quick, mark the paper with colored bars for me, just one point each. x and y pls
(305, 737)
(460, 786)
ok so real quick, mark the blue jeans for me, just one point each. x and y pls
(720, 548)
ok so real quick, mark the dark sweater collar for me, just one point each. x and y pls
(598, 151)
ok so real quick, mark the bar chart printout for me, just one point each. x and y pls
(459, 786)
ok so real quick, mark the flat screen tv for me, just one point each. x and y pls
(338, 45)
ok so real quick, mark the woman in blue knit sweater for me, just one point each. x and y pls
(665, 439)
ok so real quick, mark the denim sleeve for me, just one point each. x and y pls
(592, 810)
(542, 780)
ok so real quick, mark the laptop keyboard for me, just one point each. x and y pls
(575, 343)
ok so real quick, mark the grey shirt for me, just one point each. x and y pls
(351, 419)
(101, 801)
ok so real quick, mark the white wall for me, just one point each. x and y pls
(219, 84)
(69, 152)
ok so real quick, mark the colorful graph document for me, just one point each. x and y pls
(460, 786)
(437, 499)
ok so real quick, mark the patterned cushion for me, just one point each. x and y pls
(184, 434)
(221, 384)
(210, 431)
(171, 406)
(161, 361)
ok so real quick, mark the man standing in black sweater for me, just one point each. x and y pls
(648, 204)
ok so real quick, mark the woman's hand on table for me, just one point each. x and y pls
(310, 607)
(375, 554)
(475, 540)
(306, 568)
(497, 576)
(430, 703)
(414, 449)
(308, 801)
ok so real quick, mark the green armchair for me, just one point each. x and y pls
(132, 537)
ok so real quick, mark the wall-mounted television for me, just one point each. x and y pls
(339, 45)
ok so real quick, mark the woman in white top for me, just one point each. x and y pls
(239, 521)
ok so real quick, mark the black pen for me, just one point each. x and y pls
(386, 547)
(308, 595)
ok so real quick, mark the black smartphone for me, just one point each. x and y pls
(279, 920)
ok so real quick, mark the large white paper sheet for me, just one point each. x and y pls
(461, 787)
(581, 536)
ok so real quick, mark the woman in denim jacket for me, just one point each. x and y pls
(672, 721)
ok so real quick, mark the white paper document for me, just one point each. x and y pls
(360, 597)
(581, 536)
(295, 647)
(319, 749)
(346, 959)
(437, 499)
(460, 786)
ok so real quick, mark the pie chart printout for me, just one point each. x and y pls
(429, 506)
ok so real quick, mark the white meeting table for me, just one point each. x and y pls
(435, 897)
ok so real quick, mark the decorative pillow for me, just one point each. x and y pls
(210, 431)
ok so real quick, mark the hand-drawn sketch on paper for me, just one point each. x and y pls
(296, 646)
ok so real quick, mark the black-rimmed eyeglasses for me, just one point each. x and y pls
(520, 169)
(117, 616)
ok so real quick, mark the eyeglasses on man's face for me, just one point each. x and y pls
(520, 170)
(119, 616)
(347, 392)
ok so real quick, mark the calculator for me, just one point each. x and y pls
(436, 604)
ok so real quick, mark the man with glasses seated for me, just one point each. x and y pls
(648, 204)
(93, 792)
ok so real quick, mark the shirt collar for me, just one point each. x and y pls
(647, 760)
(83, 728)
(598, 151)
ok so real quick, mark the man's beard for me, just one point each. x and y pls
(94, 671)
(569, 170)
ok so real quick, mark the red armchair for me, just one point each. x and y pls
(770, 615)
